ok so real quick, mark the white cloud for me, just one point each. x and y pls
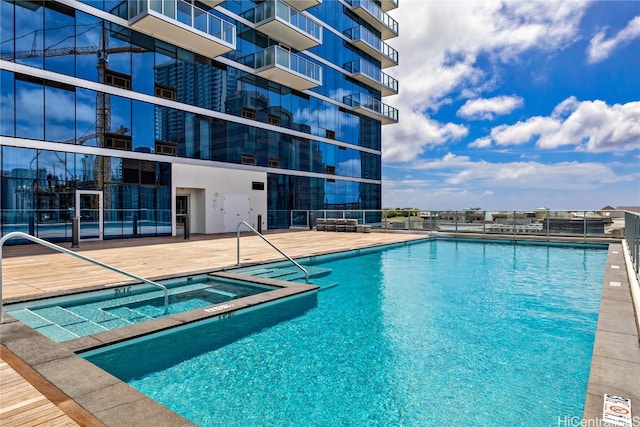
(523, 132)
(451, 36)
(595, 126)
(458, 182)
(519, 174)
(489, 108)
(601, 48)
(590, 126)
(416, 133)
(481, 142)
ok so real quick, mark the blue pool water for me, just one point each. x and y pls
(69, 317)
(440, 333)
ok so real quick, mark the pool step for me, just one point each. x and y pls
(99, 316)
(131, 316)
(70, 321)
(287, 273)
(90, 316)
(325, 287)
(30, 318)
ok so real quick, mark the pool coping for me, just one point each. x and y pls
(615, 365)
(615, 361)
(89, 393)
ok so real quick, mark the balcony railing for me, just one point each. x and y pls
(376, 17)
(181, 23)
(282, 66)
(372, 75)
(282, 22)
(632, 235)
(371, 107)
(539, 225)
(368, 42)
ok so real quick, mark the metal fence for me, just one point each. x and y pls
(541, 223)
(632, 235)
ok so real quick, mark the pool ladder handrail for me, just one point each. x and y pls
(77, 255)
(306, 273)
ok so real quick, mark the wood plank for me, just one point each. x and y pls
(22, 405)
(51, 396)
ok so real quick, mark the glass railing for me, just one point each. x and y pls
(361, 100)
(632, 235)
(186, 13)
(278, 56)
(57, 225)
(366, 36)
(541, 225)
(377, 13)
(373, 72)
(276, 8)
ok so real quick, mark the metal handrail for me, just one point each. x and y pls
(77, 255)
(306, 273)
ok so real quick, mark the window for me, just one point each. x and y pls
(273, 120)
(274, 163)
(330, 134)
(249, 159)
(113, 78)
(167, 148)
(166, 92)
(248, 114)
(255, 185)
(330, 170)
(117, 141)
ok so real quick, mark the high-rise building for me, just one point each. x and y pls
(140, 116)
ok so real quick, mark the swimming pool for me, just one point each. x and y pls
(434, 333)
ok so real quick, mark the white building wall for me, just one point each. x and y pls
(207, 187)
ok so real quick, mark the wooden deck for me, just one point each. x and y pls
(21, 404)
(30, 270)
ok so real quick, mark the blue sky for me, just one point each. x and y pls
(515, 105)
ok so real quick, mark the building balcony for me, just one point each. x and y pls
(282, 66)
(303, 4)
(211, 3)
(376, 17)
(368, 42)
(282, 22)
(388, 5)
(371, 75)
(371, 107)
(181, 23)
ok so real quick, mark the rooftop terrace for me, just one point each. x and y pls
(44, 383)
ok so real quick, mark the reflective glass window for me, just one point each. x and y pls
(143, 127)
(7, 106)
(142, 57)
(120, 116)
(7, 40)
(86, 110)
(89, 171)
(118, 49)
(59, 113)
(29, 108)
(29, 34)
(59, 38)
(89, 32)
(19, 182)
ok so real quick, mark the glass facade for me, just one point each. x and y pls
(89, 75)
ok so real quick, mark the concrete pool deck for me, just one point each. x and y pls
(86, 394)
